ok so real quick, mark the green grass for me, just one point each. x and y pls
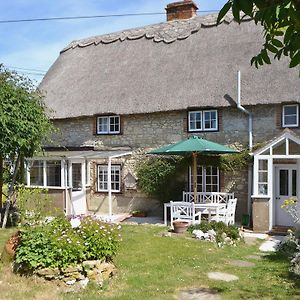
(155, 267)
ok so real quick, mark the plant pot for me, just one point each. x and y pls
(180, 226)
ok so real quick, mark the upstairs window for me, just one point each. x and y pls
(205, 120)
(290, 115)
(108, 125)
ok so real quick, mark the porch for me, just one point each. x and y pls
(276, 178)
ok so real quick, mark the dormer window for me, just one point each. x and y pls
(203, 120)
(108, 125)
(290, 115)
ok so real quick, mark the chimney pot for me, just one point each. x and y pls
(182, 10)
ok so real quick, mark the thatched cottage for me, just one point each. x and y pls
(116, 95)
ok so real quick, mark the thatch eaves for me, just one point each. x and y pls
(164, 67)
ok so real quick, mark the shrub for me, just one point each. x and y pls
(58, 244)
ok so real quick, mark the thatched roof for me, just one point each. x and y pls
(168, 66)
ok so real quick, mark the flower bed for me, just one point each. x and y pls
(217, 232)
(62, 243)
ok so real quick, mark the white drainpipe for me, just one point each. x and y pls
(241, 108)
(250, 133)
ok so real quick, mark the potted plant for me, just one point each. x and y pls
(180, 226)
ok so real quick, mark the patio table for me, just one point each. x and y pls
(212, 208)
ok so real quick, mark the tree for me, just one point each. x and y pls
(24, 125)
(281, 22)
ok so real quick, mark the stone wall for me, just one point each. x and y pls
(152, 130)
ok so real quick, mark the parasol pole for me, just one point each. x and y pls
(195, 175)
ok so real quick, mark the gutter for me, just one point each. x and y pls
(241, 108)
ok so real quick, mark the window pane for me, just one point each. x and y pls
(36, 173)
(210, 119)
(263, 177)
(195, 120)
(290, 110)
(114, 124)
(294, 183)
(76, 176)
(103, 124)
(290, 120)
(283, 182)
(263, 165)
(263, 189)
(53, 170)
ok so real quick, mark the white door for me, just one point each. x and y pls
(77, 178)
(286, 187)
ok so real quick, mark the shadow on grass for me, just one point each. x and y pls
(283, 258)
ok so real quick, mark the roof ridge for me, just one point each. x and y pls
(166, 32)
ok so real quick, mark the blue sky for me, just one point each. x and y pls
(36, 45)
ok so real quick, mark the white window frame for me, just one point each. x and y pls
(113, 169)
(284, 115)
(204, 175)
(202, 125)
(45, 175)
(109, 121)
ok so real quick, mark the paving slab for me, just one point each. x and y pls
(222, 276)
(255, 257)
(241, 263)
(199, 294)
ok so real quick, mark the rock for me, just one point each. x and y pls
(100, 279)
(72, 269)
(83, 282)
(71, 282)
(199, 293)
(166, 234)
(199, 234)
(48, 272)
(92, 274)
(222, 276)
(107, 270)
(90, 264)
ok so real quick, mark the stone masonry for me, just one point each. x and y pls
(145, 131)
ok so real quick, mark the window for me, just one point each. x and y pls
(53, 173)
(103, 178)
(262, 177)
(108, 125)
(290, 115)
(206, 120)
(207, 179)
(44, 173)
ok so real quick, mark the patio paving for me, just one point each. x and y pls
(241, 263)
(198, 294)
(144, 220)
(222, 276)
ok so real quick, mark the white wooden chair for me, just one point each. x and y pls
(227, 215)
(184, 211)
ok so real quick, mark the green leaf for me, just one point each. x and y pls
(246, 6)
(271, 48)
(295, 60)
(236, 12)
(223, 11)
(277, 43)
(265, 56)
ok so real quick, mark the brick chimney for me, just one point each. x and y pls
(185, 9)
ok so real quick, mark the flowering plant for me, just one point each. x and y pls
(64, 242)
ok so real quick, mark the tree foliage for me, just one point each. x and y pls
(281, 22)
(24, 123)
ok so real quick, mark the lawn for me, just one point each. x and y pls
(154, 267)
